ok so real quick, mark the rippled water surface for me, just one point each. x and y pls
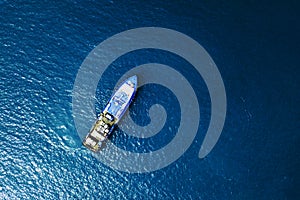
(42, 45)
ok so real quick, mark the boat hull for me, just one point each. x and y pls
(112, 113)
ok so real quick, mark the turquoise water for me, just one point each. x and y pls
(255, 46)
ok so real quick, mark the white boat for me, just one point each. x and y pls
(113, 112)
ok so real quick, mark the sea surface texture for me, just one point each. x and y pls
(255, 45)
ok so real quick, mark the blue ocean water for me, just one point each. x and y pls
(255, 46)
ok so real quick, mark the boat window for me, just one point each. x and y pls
(117, 102)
